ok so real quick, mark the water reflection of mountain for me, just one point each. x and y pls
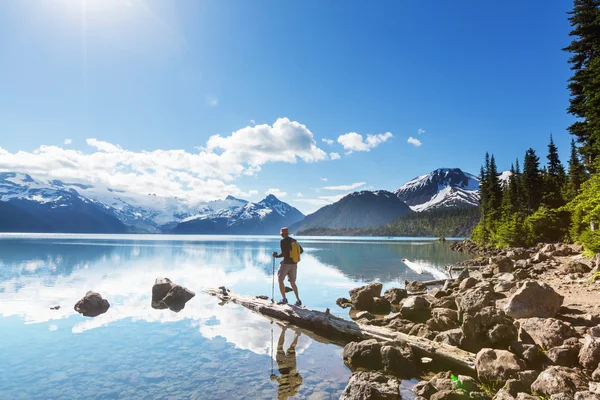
(382, 261)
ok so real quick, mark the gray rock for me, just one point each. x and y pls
(518, 254)
(586, 395)
(596, 374)
(540, 257)
(365, 354)
(503, 287)
(441, 324)
(533, 299)
(565, 356)
(473, 300)
(576, 267)
(363, 297)
(161, 288)
(343, 302)
(589, 356)
(395, 295)
(415, 308)
(449, 395)
(381, 305)
(526, 396)
(467, 283)
(398, 359)
(372, 385)
(177, 297)
(557, 379)
(424, 389)
(546, 332)
(445, 312)
(415, 286)
(488, 328)
(453, 337)
(92, 305)
(498, 365)
(502, 265)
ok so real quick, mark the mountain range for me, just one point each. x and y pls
(36, 205)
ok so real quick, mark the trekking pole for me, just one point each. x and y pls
(271, 347)
(273, 283)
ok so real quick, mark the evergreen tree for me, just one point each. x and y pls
(494, 188)
(554, 178)
(576, 171)
(531, 181)
(583, 85)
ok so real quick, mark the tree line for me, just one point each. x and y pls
(548, 203)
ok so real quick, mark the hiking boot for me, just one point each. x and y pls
(298, 303)
(282, 301)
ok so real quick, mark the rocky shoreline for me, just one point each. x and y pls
(531, 316)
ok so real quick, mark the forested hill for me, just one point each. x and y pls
(449, 222)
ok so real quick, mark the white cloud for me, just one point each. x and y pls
(346, 187)
(276, 192)
(253, 192)
(299, 194)
(253, 122)
(324, 179)
(328, 141)
(68, 141)
(211, 100)
(197, 176)
(413, 141)
(334, 156)
(421, 131)
(353, 141)
(52, 328)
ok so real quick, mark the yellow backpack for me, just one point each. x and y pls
(295, 251)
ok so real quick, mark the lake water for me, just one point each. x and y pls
(206, 351)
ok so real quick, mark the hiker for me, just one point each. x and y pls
(289, 379)
(290, 251)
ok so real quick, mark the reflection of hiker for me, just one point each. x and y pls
(290, 251)
(289, 380)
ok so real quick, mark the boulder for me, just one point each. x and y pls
(534, 299)
(467, 284)
(546, 332)
(503, 287)
(596, 374)
(415, 286)
(415, 308)
(364, 314)
(422, 330)
(488, 328)
(548, 248)
(445, 302)
(395, 295)
(343, 302)
(531, 353)
(381, 305)
(453, 337)
(161, 288)
(473, 300)
(589, 355)
(565, 355)
(401, 325)
(442, 381)
(92, 305)
(501, 265)
(362, 298)
(424, 389)
(562, 250)
(498, 366)
(540, 257)
(363, 355)
(586, 395)
(177, 297)
(372, 385)
(438, 293)
(576, 267)
(398, 359)
(445, 312)
(518, 254)
(528, 377)
(457, 394)
(555, 380)
(514, 387)
(440, 324)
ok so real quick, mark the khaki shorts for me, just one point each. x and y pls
(288, 270)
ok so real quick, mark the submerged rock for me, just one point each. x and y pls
(534, 299)
(166, 294)
(92, 305)
(365, 354)
(372, 385)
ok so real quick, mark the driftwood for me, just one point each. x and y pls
(329, 325)
(436, 282)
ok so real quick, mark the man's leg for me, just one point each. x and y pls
(281, 274)
(292, 279)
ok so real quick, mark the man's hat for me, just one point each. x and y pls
(284, 230)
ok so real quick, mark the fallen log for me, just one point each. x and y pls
(328, 325)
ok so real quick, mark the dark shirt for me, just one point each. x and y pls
(286, 246)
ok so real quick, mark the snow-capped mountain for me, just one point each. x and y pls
(264, 217)
(444, 187)
(56, 206)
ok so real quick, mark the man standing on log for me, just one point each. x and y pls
(288, 266)
(289, 379)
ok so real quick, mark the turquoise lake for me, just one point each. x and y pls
(206, 351)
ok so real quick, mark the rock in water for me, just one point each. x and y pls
(92, 305)
(362, 297)
(557, 380)
(343, 302)
(498, 366)
(166, 294)
(365, 354)
(177, 297)
(534, 299)
(372, 385)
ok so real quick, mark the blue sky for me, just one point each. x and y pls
(152, 81)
